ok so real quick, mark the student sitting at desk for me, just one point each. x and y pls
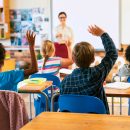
(51, 64)
(87, 80)
(10, 79)
(125, 70)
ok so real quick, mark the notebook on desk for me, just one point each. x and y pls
(118, 85)
(31, 82)
(33, 85)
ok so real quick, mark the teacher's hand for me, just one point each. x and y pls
(59, 35)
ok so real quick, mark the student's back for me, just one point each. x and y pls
(87, 80)
(51, 64)
(10, 79)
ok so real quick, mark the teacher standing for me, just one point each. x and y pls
(64, 36)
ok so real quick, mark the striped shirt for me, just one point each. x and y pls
(52, 66)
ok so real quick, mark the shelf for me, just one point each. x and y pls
(4, 18)
(20, 48)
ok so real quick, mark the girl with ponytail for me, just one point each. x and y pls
(51, 64)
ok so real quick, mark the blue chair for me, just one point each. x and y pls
(81, 104)
(39, 102)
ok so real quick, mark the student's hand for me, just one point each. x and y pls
(95, 30)
(31, 38)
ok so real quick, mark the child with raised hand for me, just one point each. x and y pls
(87, 80)
(124, 71)
(50, 64)
(10, 79)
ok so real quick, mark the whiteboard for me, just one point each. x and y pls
(81, 13)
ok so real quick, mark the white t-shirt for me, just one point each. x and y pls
(66, 32)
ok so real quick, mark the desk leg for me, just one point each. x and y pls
(30, 107)
(120, 106)
(47, 100)
(112, 105)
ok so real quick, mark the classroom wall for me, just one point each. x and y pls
(125, 21)
(25, 4)
(125, 13)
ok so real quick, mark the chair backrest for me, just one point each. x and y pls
(55, 79)
(13, 114)
(56, 87)
(128, 79)
(81, 104)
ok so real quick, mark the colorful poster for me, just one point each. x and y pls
(28, 19)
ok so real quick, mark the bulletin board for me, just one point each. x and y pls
(22, 20)
(28, 15)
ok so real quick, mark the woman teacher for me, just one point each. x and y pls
(64, 36)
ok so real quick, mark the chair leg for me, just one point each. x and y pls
(47, 100)
(52, 101)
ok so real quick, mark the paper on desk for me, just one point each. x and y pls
(118, 85)
(65, 71)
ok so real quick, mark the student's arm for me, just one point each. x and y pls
(65, 62)
(31, 40)
(111, 53)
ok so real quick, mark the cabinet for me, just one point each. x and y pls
(4, 19)
(9, 64)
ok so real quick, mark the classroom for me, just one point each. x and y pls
(64, 64)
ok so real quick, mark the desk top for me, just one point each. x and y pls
(35, 88)
(117, 93)
(76, 121)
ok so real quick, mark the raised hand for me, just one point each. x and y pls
(31, 38)
(95, 30)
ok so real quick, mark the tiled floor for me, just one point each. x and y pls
(116, 105)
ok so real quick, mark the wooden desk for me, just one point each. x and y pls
(117, 92)
(36, 89)
(75, 121)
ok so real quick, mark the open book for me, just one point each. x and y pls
(118, 85)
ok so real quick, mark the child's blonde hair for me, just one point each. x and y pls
(83, 54)
(47, 49)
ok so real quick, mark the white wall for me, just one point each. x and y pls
(125, 13)
(25, 4)
(104, 13)
(125, 21)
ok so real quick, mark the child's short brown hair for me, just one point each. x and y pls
(83, 54)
